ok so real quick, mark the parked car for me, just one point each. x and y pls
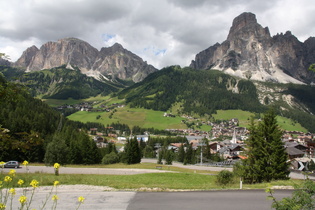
(11, 164)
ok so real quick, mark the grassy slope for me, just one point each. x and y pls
(244, 116)
(139, 117)
(148, 118)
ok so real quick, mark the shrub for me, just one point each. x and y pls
(302, 198)
(110, 158)
(225, 177)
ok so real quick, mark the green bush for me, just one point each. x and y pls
(224, 177)
(110, 158)
(302, 198)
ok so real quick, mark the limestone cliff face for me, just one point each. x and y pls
(114, 61)
(119, 62)
(250, 52)
(53, 54)
(27, 56)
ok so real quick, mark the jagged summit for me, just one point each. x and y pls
(114, 61)
(246, 22)
(117, 46)
(250, 52)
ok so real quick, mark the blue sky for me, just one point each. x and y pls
(162, 32)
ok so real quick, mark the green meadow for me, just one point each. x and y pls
(245, 116)
(149, 118)
(154, 119)
(133, 117)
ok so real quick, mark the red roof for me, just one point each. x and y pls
(242, 157)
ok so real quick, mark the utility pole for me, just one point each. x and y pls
(201, 144)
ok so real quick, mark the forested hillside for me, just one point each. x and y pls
(202, 92)
(28, 127)
(61, 83)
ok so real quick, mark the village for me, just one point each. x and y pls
(227, 140)
(88, 106)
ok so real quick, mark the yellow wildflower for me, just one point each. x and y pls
(56, 183)
(25, 163)
(56, 165)
(81, 199)
(20, 182)
(7, 179)
(12, 191)
(34, 183)
(2, 163)
(12, 172)
(23, 199)
(2, 206)
(54, 197)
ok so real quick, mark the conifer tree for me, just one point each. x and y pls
(252, 171)
(275, 149)
(75, 155)
(142, 145)
(132, 153)
(148, 152)
(169, 156)
(56, 152)
(189, 155)
(181, 153)
(266, 156)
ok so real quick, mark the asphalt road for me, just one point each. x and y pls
(119, 200)
(217, 200)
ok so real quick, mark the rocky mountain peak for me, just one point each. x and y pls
(250, 52)
(117, 47)
(245, 25)
(114, 61)
(27, 56)
(119, 62)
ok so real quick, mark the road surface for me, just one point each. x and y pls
(97, 198)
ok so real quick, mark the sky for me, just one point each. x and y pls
(161, 32)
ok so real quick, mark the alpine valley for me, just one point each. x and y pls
(250, 71)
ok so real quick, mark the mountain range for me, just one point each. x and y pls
(249, 52)
(248, 71)
(111, 62)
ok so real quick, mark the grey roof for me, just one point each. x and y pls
(229, 147)
(189, 138)
(294, 151)
(291, 144)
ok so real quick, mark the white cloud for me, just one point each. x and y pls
(171, 31)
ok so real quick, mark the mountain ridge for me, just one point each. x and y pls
(114, 61)
(61, 83)
(250, 52)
